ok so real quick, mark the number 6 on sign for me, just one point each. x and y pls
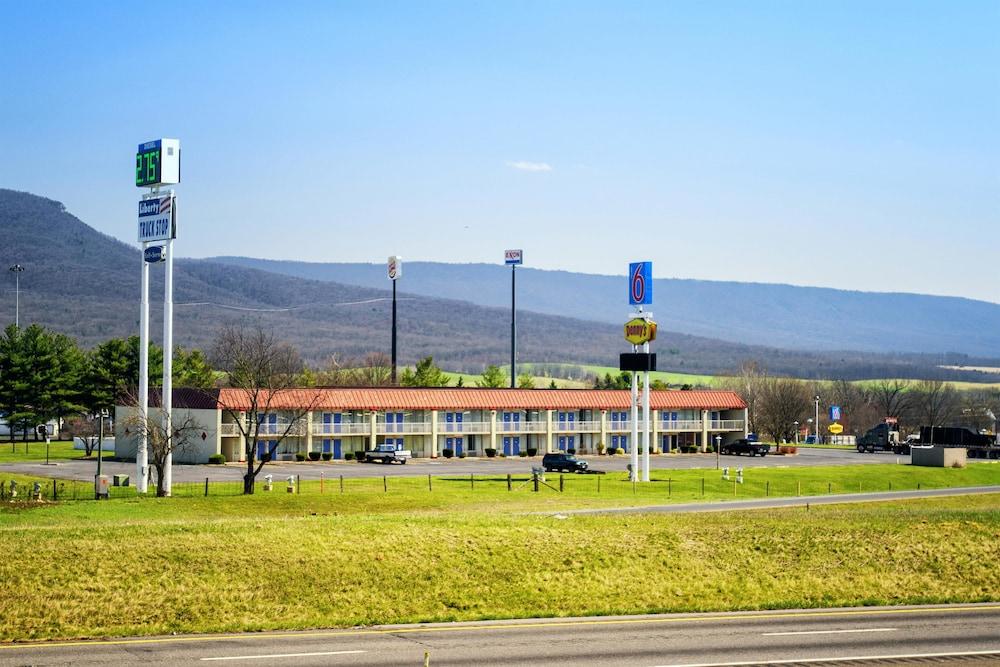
(640, 283)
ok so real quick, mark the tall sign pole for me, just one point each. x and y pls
(157, 163)
(639, 331)
(141, 454)
(513, 258)
(395, 270)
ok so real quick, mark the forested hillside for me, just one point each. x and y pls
(801, 318)
(86, 284)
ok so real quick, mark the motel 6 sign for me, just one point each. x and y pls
(640, 283)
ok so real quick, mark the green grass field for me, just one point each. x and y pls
(35, 451)
(282, 561)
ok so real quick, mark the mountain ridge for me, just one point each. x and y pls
(828, 319)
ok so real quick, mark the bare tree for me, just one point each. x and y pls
(891, 397)
(83, 428)
(858, 411)
(782, 402)
(749, 382)
(936, 403)
(262, 370)
(162, 442)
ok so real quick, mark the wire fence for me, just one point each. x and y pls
(686, 488)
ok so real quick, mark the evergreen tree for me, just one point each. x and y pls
(492, 378)
(191, 369)
(525, 381)
(426, 374)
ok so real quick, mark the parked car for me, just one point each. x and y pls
(563, 463)
(745, 446)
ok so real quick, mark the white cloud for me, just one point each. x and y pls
(524, 165)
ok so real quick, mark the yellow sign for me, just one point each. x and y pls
(639, 331)
(835, 428)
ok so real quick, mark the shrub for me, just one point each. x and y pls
(600, 448)
(490, 452)
(327, 456)
(788, 449)
(314, 456)
(571, 451)
(348, 456)
(462, 455)
(502, 455)
(612, 451)
(216, 458)
(621, 450)
(447, 453)
(532, 451)
(523, 454)
(360, 456)
(299, 456)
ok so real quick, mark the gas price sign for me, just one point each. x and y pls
(158, 162)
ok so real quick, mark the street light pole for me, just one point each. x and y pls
(796, 432)
(817, 418)
(16, 270)
(718, 450)
(100, 450)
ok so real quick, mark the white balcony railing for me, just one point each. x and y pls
(359, 428)
(620, 426)
(726, 425)
(521, 427)
(577, 427)
(383, 428)
(229, 430)
(462, 427)
(680, 425)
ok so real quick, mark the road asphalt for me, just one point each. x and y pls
(84, 470)
(941, 634)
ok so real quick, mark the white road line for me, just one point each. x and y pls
(836, 658)
(280, 655)
(826, 632)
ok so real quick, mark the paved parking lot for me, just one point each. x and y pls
(85, 470)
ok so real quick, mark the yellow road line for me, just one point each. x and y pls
(510, 626)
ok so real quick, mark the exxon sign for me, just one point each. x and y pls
(154, 254)
(513, 257)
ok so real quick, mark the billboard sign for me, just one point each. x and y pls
(154, 254)
(640, 283)
(157, 219)
(639, 331)
(835, 429)
(395, 267)
(513, 257)
(835, 413)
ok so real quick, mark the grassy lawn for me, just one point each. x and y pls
(148, 566)
(58, 450)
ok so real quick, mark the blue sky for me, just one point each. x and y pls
(843, 144)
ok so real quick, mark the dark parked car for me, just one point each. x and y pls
(744, 446)
(563, 463)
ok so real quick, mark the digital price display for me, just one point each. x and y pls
(158, 163)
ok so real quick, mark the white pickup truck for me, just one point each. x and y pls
(387, 454)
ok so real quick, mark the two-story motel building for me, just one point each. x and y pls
(428, 421)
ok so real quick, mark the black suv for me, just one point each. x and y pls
(563, 463)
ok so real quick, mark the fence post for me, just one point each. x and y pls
(508, 481)
(341, 483)
(55, 491)
(669, 485)
(702, 487)
(798, 488)
(206, 487)
(321, 483)
(829, 488)
(472, 480)
(918, 486)
(598, 483)
(535, 478)
(767, 489)
(385, 485)
(560, 483)
(298, 484)
(430, 486)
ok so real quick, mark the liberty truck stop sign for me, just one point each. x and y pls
(157, 219)
(640, 283)
(394, 267)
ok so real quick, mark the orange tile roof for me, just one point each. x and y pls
(453, 398)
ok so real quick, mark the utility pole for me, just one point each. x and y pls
(513, 258)
(395, 271)
(16, 270)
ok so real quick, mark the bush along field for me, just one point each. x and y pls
(283, 560)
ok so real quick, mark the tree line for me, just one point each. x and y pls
(45, 376)
(778, 406)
